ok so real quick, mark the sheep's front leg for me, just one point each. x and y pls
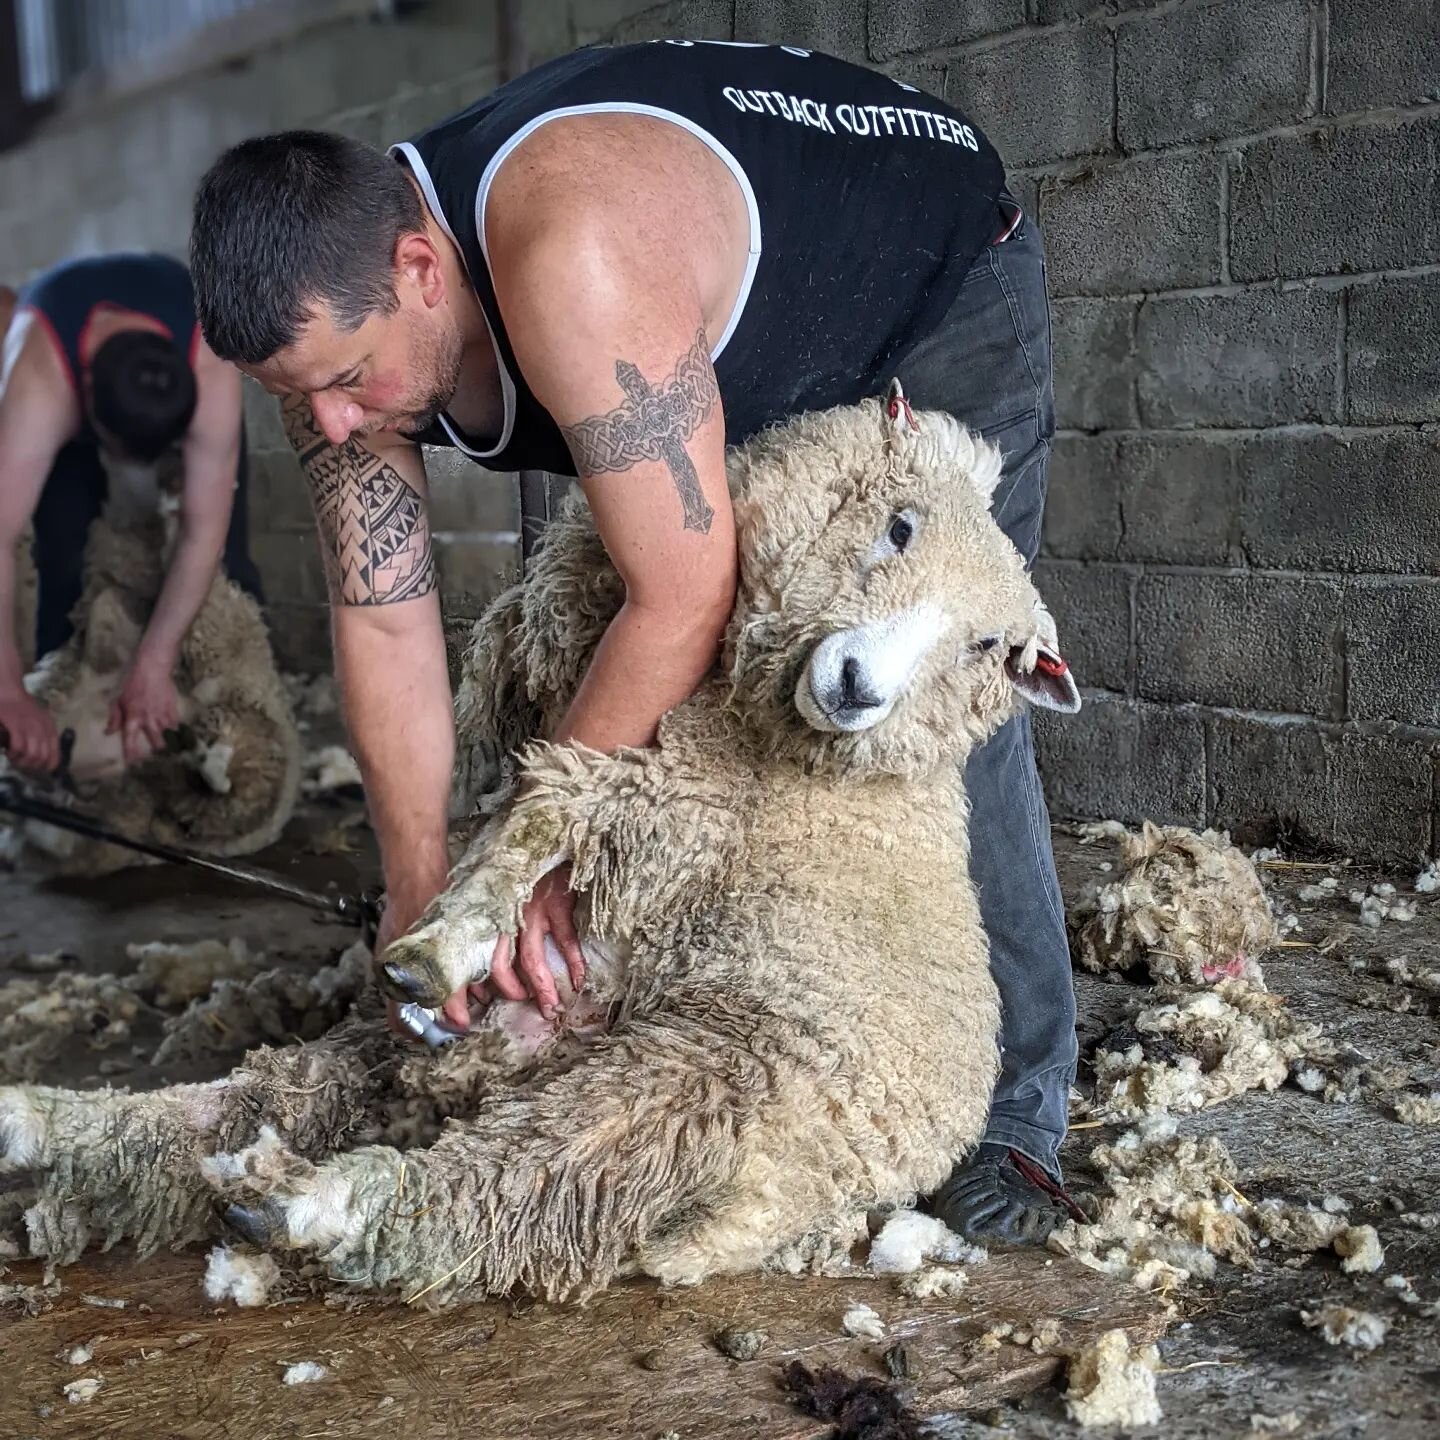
(454, 942)
(609, 816)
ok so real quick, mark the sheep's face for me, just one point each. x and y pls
(884, 621)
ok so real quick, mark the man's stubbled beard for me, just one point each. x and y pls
(445, 357)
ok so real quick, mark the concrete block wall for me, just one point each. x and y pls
(1242, 547)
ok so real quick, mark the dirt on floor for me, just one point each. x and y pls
(1235, 1360)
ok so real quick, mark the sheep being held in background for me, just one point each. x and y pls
(229, 786)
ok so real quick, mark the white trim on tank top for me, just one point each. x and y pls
(487, 178)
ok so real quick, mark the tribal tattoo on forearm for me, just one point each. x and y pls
(374, 534)
(654, 424)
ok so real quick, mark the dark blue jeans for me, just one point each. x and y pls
(73, 497)
(989, 365)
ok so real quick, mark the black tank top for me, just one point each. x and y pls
(66, 296)
(868, 202)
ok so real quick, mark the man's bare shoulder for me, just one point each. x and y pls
(35, 382)
(595, 170)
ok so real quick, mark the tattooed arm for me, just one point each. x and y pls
(632, 388)
(389, 648)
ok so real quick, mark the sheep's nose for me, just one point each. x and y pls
(853, 691)
(402, 980)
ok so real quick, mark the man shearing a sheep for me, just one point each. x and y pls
(103, 354)
(611, 267)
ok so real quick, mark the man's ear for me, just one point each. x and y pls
(417, 263)
(1049, 683)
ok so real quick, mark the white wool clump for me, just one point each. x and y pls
(81, 1354)
(1428, 880)
(180, 973)
(312, 696)
(225, 1166)
(1102, 830)
(934, 1282)
(1286, 1424)
(59, 1014)
(331, 767)
(1360, 1250)
(305, 1373)
(1167, 1210)
(908, 1239)
(1321, 890)
(245, 1279)
(82, 1392)
(1382, 904)
(1247, 1036)
(1266, 852)
(1187, 905)
(862, 1322)
(1418, 1109)
(1298, 1227)
(211, 761)
(1340, 1325)
(1404, 1290)
(1109, 1384)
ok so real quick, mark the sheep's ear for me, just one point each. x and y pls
(1049, 684)
(942, 442)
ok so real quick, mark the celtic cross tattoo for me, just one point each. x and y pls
(654, 424)
(374, 534)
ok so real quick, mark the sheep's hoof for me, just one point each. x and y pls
(262, 1224)
(411, 970)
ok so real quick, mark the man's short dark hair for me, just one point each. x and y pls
(283, 222)
(142, 392)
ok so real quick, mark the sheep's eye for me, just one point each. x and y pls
(987, 642)
(897, 537)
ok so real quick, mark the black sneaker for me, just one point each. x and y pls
(999, 1195)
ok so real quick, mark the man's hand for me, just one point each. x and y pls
(526, 976)
(549, 911)
(146, 707)
(27, 733)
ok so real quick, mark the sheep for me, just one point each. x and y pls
(229, 784)
(788, 1018)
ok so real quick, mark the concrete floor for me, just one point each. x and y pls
(1238, 1350)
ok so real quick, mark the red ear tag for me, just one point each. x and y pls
(898, 403)
(1051, 665)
